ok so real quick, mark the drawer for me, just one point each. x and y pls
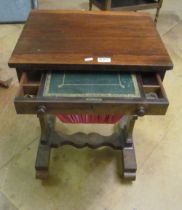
(152, 99)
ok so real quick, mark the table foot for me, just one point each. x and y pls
(42, 174)
(42, 161)
(129, 164)
(129, 176)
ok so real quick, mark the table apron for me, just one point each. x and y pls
(56, 107)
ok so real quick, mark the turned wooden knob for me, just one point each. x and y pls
(141, 111)
(41, 110)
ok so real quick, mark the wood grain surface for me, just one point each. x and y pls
(63, 39)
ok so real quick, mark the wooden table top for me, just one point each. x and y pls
(84, 40)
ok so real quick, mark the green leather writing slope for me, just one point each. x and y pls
(91, 85)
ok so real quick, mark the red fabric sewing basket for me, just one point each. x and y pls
(99, 119)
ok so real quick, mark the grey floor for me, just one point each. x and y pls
(86, 179)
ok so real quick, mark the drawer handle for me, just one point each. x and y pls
(141, 111)
(41, 110)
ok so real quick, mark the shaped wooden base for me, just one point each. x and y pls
(120, 140)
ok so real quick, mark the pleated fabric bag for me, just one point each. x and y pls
(88, 118)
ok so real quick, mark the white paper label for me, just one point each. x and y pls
(88, 59)
(103, 60)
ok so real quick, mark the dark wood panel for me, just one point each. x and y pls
(63, 39)
(30, 106)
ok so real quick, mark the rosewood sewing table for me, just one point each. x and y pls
(75, 64)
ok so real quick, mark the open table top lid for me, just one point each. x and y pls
(84, 40)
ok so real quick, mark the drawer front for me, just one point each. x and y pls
(153, 100)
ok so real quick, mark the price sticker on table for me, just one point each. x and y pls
(104, 60)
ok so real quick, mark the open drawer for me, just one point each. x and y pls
(149, 96)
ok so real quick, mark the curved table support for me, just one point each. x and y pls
(121, 139)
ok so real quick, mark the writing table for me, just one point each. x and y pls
(82, 64)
